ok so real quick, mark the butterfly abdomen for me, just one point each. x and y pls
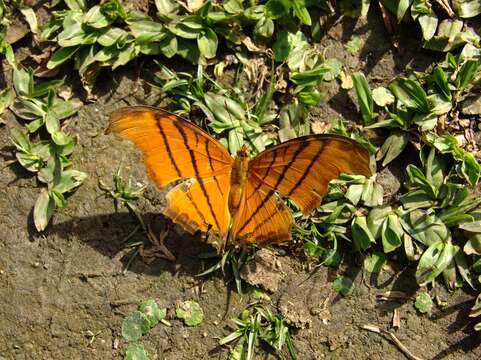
(238, 180)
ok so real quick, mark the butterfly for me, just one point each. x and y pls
(235, 199)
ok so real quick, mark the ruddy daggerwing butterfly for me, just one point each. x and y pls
(223, 195)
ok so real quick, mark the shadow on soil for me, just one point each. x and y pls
(113, 235)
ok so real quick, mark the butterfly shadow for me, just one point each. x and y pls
(113, 235)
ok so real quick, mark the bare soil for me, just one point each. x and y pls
(59, 287)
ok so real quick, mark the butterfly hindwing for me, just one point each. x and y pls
(175, 149)
(187, 205)
(263, 217)
(302, 168)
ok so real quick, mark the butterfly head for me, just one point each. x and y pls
(243, 152)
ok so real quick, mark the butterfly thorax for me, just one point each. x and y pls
(238, 179)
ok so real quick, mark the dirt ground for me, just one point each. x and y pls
(58, 287)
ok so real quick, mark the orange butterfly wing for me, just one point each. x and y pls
(263, 216)
(176, 149)
(299, 169)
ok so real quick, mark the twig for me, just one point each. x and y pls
(446, 7)
(393, 338)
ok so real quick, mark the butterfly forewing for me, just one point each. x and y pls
(302, 168)
(174, 149)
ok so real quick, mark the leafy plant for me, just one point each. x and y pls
(138, 323)
(190, 312)
(417, 102)
(236, 260)
(343, 285)
(424, 303)
(259, 323)
(48, 158)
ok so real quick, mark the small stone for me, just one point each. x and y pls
(472, 105)
(263, 271)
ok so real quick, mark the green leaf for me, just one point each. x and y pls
(23, 81)
(361, 234)
(135, 325)
(264, 28)
(391, 233)
(355, 44)
(79, 5)
(422, 12)
(227, 112)
(372, 192)
(6, 98)
(354, 8)
(28, 109)
(309, 77)
(146, 31)
(434, 260)
(190, 312)
(309, 97)
(43, 210)
(410, 93)
(467, 73)
(393, 147)
(125, 55)
(59, 199)
(151, 309)
(233, 6)
(425, 227)
(236, 140)
(300, 11)
(207, 42)
(375, 262)
(450, 35)
(275, 9)
(69, 180)
(424, 303)
(343, 285)
(467, 8)
(31, 19)
(382, 96)
(462, 266)
(45, 87)
(376, 218)
(166, 8)
(73, 33)
(95, 18)
(112, 35)
(21, 139)
(291, 47)
(188, 27)
(441, 80)
(364, 96)
(472, 226)
(136, 351)
(61, 109)
(255, 13)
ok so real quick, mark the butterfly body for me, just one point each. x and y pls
(235, 199)
(238, 177)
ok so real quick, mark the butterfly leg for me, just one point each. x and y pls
(157, 248)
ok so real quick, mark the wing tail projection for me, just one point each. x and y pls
(263, 217)
(302, 168)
